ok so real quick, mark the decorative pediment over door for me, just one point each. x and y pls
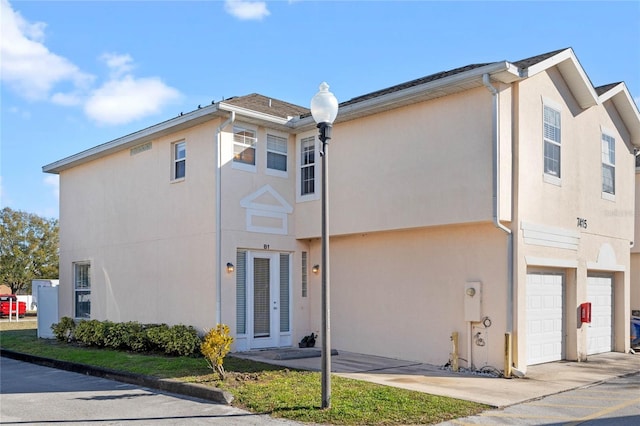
(266, 211)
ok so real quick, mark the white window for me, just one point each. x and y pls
(244, 148)
(308, 166)
(179, 167)
(277, 154)
(82, 290)
(552, 163)
(608, 165)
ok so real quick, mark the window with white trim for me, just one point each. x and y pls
(244, 147)
(552, 154)
(608, 164)
(82, 290)
(179, 160)
(308, 165)
(277, 153)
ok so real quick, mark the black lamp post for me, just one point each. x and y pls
(324, 109)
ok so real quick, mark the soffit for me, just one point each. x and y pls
(626, 107)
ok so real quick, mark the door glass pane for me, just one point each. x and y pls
(261, 298)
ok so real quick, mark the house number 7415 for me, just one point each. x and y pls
(582, 222)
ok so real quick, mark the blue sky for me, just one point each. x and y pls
(77, 74)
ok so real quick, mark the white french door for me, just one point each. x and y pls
(263, 291)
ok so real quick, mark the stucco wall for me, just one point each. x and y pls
(558, 207)
(635, 251)
(421, 165)
(151, 242)
(401, 294)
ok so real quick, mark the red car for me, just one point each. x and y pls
(4, 305)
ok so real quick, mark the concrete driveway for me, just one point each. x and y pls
(540, 380)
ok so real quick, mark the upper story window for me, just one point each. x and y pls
(244, 148)
(277, 154)
(608, 165)
(82, 290)
(179, 160)
(308, 165)
(551, 131)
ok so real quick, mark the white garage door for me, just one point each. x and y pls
(600, 331)
(545, 321)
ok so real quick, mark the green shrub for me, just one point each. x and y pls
(215, 346)
(125, 335)
(178, 340)
(136, 337)
(157, 336)
(93, 332)
(64, 329)
(183, 341)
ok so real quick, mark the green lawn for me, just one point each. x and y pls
(259, 387)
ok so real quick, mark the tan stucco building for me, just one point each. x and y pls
(515, 179)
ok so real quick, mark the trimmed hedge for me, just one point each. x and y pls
(176, 340)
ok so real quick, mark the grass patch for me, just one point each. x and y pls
(259, 387)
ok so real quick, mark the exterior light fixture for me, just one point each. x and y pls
(324, 109)
(230, 267)
(315, 269)
(471, 291)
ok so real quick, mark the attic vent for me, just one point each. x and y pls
(140, 148)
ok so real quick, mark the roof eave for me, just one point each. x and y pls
(183, 121)
(504, 72)
(260, 118)
(627, 109)
(572, 72)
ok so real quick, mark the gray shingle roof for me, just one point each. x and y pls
(283, 109)
(522, 64)
(604, 89)
(416, 82)
(266, 105)
(526, 63)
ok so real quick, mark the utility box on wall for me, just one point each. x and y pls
(473, 301)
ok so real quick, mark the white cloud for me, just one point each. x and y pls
(53, 181)
(118, 64)
(247, 10)
(27, 66)
(123, 100)
(34, 72)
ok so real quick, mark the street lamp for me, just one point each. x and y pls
(324, 109)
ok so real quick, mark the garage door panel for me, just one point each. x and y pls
(600, 331)
(545, 320)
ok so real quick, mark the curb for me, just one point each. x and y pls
(168, 385)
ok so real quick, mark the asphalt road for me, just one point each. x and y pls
(615, 402)
(35, 395)
(32, 394)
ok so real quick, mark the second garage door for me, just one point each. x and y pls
(600, 331)
(545, 320)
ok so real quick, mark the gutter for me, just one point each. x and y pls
(142, 136)
(218, 137)
(486, 80)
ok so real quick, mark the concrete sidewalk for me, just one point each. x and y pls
(540, 380)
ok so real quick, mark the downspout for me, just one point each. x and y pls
(218, 136)
(496, 200)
